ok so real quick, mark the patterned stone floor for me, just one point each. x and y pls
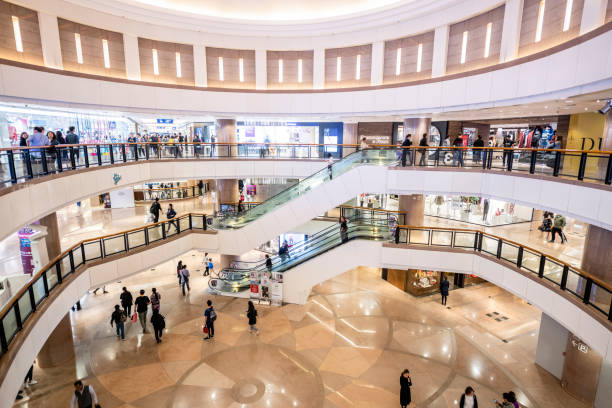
(345, 348)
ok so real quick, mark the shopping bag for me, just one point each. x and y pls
(134, 317)
(205, 329)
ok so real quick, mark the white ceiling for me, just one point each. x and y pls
(270, 10)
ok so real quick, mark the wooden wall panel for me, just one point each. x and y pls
(552, 29)
(609, 12)
(231, 70)
(30, 34)
(409, 55)
(91, 46)
(477, 30)
(166, 58)
(348, 66)
(290, 69)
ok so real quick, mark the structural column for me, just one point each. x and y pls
(593, 15)
(318, 69)
(261, 69)
(199, 65)
(511, 31)
(440, 50)
(132, 57)
(416, 127)
(349, 136)
(378, 60)
(50, 40)
(413, 207)
(226, 133)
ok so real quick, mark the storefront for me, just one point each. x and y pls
(420, 282)
(91, 128)
(254, 134)
(477, 210)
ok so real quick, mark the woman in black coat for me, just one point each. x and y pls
(252, 315)
(405, 384)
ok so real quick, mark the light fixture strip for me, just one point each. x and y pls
(280, 71)
(540, 23)
(568, 15)
(398, 61)
(155, 62)
(488, 40)
(419, 57)
(338, 68)
(221, 78)
(178, 64)
(79, 49)
(241, 69)
(358, 68)
(17, 33)
(300, 70)
(106, 54)
(464, 47)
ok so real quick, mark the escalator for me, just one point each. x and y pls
(375, 157)
(236, 279)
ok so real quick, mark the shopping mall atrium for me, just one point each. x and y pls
(305, 203)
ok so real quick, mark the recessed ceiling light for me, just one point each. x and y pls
(586, 108)
(598, 101)
(546, 107)
(568, 101)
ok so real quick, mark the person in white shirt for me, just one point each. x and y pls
(363, 146)
(330, 163)
(84, 396)
(468, 399)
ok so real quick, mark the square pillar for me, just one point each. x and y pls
(50, 40)
(199, 65)
(511, 30)
(593, 15)
(132, 57)
(318, 68)
(261, 69)
(378, 60)
(440, 50)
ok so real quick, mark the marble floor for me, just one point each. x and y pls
(345, 347)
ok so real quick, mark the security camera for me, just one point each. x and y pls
(606, 107)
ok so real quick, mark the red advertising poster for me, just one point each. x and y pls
(25, 248)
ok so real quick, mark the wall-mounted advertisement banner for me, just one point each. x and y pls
(254, 281)
(276, 289)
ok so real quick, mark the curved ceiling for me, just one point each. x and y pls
(270, 10)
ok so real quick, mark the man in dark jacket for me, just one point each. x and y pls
(159, 324)
(155, 209)
(479, 143)
(84, 396)
(406, 150)
(424, 152)
(73, 139)
(444, 286)
(126, 301)
(119, 318)
(170, 214)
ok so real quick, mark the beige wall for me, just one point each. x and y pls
(30, 34)
(408, 66)
(477, 30)
(231, 70)
(166, 58)
(91, 46)
(552, 29)
(348, 66)
(290, 69)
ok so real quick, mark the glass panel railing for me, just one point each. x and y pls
(9, 324)
(114, 245)
(531, 261)
(136, 239)
(93, 250)
(464, 239)
(39, 290)
(442, 238)
(553, 271)
(155, 232)
(77, 257)
(52, 280)
(489, 245)
(575, 283)
(509, 252)
(65, 267)
(25, 305)
(601, 298)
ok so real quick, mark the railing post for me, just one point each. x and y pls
(490, 158)
(111, 153)
(608, 179)
(124, 153)
(85, 155)
(126, 243)
(480, 238)
(32, 300)
(11, 164)
(475, 241)
(71, 259)
(3, 342)
(499, 248)
(510, 160)
(178, 224)
(58, 159)
(28, 162)
(532, 163)
(587, 291)
(541, 268)
(147, 146)
(557, 165)
(204, 222)
(43, 161)
(83, 252)
(18, 315)
(397, 234)
(564, 277)
(519, 258)
(102, 248)
(190, 222)
(582, 166)
(163, 227)
(72, 160)
(99, 154)
(58, 271)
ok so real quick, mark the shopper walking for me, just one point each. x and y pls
(343, 229)
(423, 143)
(478, 150)
(84, 396)
(406, 153)
(330, 163)
(512, 399)
(558, 225)
(159, 324)
(444, 286)
(179, 267)
(268, 263)
(405, 384)
(210, 316)
(210, 265)
(126, 301)
(468, 399)
(141, 303)
(119, 318)
(206, 270)
(458, 153)
(155, 209)
(505, 403)
(363, 146)
(28, 380)
(155, 300)
(508, 143)
(252, 315)
(185, 279)
(170, 214)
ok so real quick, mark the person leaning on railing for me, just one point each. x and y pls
(406, 150)
(478, 151)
